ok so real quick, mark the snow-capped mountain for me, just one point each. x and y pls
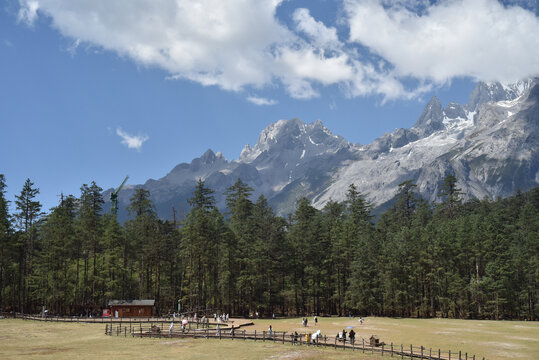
(489, 144)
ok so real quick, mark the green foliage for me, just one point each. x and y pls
(475, 259)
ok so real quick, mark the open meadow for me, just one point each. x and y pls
(21, 339)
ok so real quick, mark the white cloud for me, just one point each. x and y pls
(320, 34)
(72, 49)
(477, 38)
(213, 42)
(240, 44)
(28, 11)
(131, 141)
(261, 101)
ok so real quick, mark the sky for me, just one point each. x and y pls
(97, 90)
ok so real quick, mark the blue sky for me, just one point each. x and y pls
(182, 77)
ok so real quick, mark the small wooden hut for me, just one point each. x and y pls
(131, 308)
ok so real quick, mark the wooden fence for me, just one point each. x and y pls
(391, 350)
(198, 323)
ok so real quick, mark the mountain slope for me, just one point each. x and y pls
(489, 144)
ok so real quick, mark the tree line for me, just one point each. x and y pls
(476, 259)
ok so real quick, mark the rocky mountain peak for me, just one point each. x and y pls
(491, 155)
(454, 111)
(431, 119)
(496, 91)
(294, 135)
(208, 157)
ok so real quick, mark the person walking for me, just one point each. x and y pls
(171, 328)
(315, 320)
(352, 336)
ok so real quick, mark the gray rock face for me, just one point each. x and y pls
(495, 91)
(431, 119)
(455, 111)
(492, 151)
(490, 145)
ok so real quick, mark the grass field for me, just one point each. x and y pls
(494, 340)
(489, 339)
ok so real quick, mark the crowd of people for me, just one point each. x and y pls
(343, 336)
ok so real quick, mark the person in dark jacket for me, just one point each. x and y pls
(352, 336)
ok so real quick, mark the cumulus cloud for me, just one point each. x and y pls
(239, 45)
(261, 101)
(131, 141)
(477, 38)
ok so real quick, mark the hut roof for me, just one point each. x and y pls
(131, 302)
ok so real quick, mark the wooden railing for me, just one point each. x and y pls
(391, 350)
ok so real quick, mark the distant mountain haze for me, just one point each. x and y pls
(490, 144)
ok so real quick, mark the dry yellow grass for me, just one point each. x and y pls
(494, 340)
(489, 339)
(47, 340)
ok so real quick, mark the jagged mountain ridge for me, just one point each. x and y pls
(490, 144)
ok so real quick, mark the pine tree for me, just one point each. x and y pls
(199, 248)
(91, 230)
(243, 252)
(28, 212)
(6, 245)
(143, 233)
(56, 288)
(450, 195)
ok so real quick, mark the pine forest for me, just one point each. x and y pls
(474, 259)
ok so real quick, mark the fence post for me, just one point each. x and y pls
(449, 354)
(439, 354)
(460, 355)
(243, 334)
(255, 335)
(411, 351)
(363, 347)
(382, 350)
(263, 336)
(421, 351)
(284, 332)
(392, 349)
(402, 351)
